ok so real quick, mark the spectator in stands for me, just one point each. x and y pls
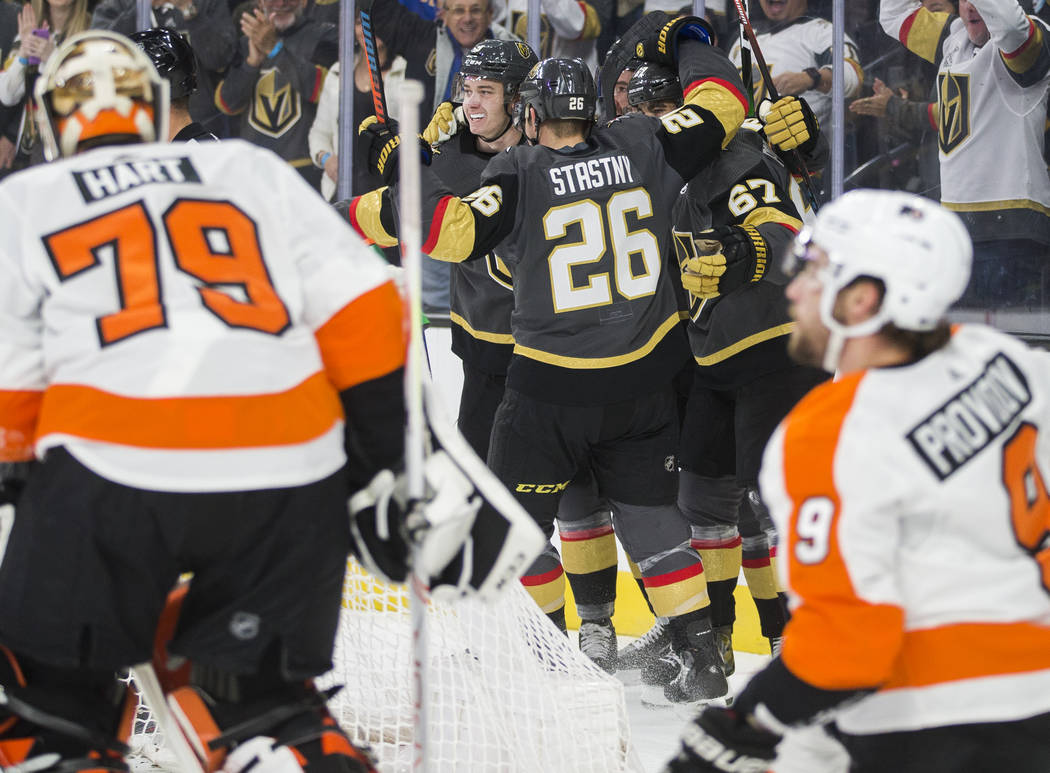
(42, 25)
(205, 24)
(463, 24)
(994, 73)
(797, 49)
(567, 27)
(10, 115)
(324, 133)
(275, 81)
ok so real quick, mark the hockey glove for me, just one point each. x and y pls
(386, 525)
(660, 43)
(445, 124)
(729, 256)
(720, 740)
(790, 124)
(383, 141)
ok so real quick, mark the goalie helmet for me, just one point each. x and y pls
(920, 251)
(99, 88)
(559, 88)
(172, 56)
(503, 61)
(654, 82)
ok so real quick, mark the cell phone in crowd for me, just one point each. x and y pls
(44, 33)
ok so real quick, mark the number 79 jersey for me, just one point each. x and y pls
(914, 518)
(183, 317)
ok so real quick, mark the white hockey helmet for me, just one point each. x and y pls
(99, 88)
(919, 250)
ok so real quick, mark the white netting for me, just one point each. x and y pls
(507, 691)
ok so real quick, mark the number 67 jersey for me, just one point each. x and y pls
(914, 517)
(183, 317)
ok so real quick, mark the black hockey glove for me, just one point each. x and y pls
(790, 124)
(729, 256)
(658, 42)
(382, 141)
(387, 525)
(720, 740)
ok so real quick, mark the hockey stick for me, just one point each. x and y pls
(375, 75)
(763, 68)
(411, 233)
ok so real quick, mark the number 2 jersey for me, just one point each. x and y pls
(185, 317)
(914, 517)
(584, 232)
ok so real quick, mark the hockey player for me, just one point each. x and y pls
(912, 497)
(733, 218)
(993, 83)
(175, 61)
(481, 304)
(191, 344)
(581, 220)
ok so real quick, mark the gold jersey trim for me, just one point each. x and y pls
(481, 335)
(990, 206)
(746, 343)
(595, 363)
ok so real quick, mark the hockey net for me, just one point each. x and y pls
(506, 691)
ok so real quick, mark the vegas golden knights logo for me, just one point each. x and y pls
(276, 109)
(953, 110)
(520, 24)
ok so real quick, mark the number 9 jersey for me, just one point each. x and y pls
(127, 272)
(914, 517)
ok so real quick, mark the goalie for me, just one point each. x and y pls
(192, 347)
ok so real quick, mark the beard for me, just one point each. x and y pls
(806, 349)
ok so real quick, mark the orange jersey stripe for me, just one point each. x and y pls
(365, 339)
(834, 640)
(296, 415)
(19, 410)
(970, 651)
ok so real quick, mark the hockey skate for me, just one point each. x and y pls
(701, 678)
(598, 643)
(647, 649)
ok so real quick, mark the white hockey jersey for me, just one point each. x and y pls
(183, 317)
(805, 42)
(568, 28)
(991, 113)
(914, 518)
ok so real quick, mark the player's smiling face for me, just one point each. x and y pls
(783, 10)
(483, 107)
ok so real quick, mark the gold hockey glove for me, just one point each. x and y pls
(790, 124)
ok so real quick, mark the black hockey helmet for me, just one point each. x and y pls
(172, 56)
(652, 82)
(560, 88)
(504, 61)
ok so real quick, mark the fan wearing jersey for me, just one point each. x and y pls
(993, 82)
(911, 497)
(582, 222)
(200, 372)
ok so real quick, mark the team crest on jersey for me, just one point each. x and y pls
(432, 62)
(276, 109)
(953, 110)
(103, 181)
(519, 24)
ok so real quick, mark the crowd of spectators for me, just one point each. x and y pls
(266, 75)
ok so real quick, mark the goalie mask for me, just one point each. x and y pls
(919, 251)
(99, 88)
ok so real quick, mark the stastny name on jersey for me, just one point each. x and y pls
(588, 175)
(111, 179)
